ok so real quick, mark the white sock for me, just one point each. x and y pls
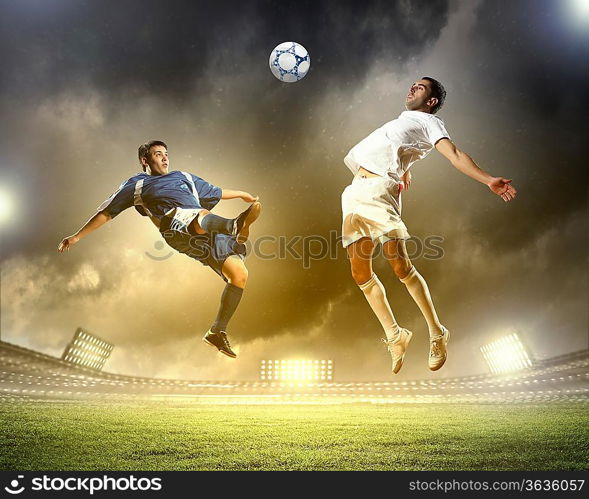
(377, 298)
(419, 291)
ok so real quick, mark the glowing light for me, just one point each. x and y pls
(578, 14)
(296, 370)
(507, 354)
(582, 7)
(6, 206)
(87, 350)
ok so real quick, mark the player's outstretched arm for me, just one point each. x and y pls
(464, 163)
(246, 196)
(91, 225)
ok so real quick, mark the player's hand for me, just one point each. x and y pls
(67, 243)
(501, 187)
(406, 180)
(248, 198)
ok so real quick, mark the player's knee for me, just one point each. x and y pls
(360, 275)
(401, 267)
(198, 219)
(238, 277)
(202, 213)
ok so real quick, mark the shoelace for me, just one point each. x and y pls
(225, 340)
(388, 343)
(435, 346)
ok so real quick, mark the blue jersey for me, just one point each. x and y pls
(156, 195)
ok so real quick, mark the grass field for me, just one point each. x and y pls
(160, 436)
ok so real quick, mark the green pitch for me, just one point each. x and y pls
(161, 436)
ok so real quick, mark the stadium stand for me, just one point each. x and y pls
(29, 375)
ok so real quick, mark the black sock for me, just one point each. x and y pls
(229, 300)
(214, 224)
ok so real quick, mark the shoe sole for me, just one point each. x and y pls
(435, 368)
(409, 336)
(252, 216)
(221, 351)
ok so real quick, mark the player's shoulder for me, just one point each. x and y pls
(166, 177)
(434, 118)
(421, 116)
(180, 173)
(194, 176)
(134, 178)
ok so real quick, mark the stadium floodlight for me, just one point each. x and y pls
(87, 350)
(507, 354)
(296, 370)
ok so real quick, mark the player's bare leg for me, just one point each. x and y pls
(397, 338)
(195, 223)
(235, 271)
(360, 256)
(395, 252)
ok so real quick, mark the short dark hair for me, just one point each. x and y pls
(438, 91)
(144, 149)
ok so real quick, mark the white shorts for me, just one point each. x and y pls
(371, 207)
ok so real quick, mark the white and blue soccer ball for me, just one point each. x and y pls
(290, 62)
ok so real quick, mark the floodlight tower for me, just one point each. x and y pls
(506, 354)
(297, 370)
(87, 350)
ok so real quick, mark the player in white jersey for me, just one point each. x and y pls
(371, 207)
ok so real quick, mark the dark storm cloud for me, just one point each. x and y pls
(174, 50)
(536, 48)
(528, 72)
(166, 47)
(120, 47)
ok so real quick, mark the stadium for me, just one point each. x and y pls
(87, 85)
(62, 415)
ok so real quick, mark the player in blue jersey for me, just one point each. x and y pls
(179, 204)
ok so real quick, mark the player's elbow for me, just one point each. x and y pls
(106, 215)
(459, 158)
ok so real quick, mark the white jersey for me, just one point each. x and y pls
(391, 149)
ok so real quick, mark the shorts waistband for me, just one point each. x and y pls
(363, 173)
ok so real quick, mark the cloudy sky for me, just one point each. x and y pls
(85, 82)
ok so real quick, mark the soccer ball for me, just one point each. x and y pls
(290, 62)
